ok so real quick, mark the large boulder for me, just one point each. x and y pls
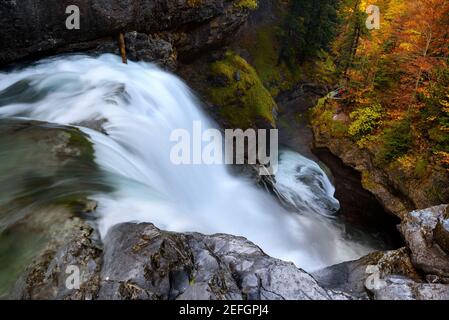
(47, 173)
(353, 276)
(141, 261)
(418, 228)
(66, 172)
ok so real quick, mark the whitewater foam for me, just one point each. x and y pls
(139, 105)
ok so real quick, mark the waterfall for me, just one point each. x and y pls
(303, 184)
(138, 106)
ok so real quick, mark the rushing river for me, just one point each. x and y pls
(138, 106)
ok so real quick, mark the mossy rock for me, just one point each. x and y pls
(47, 174)
(264, 48)
(241, 98)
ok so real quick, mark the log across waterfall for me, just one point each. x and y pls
(138, 106)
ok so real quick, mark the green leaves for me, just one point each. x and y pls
(397, 140)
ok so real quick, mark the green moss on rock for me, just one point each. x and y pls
(246, 4)
(264, 50)
(242, 99)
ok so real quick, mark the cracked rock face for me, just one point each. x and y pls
(36, 27)
(418, 228)
(416, 272)
(139, 261)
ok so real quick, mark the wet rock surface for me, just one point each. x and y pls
(139, 261)
(360, 211)
(46, 173)
(441, 232)
(72, 251)
(294, 130)
(142, 47)
(62, 153)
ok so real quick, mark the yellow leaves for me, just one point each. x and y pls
(364, 3)
(443, 158)
(395, 114)
(406, 46)
(395, 9)
(407, 162)
(412, 32)
(445, 104)
(246, 4)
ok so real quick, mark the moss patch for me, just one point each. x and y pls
(242, 99)
(246, 4)
(264, 50)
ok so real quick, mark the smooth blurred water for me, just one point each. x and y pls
(138, 106)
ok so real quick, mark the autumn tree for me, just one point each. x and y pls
(423, 36)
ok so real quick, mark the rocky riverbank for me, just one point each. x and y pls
(417, 271)
(139, 261)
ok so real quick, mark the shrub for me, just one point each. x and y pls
(396, 140)
(364, 121)
(421, 167)
(435, 112)
(440, 138)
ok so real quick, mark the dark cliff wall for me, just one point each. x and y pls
(38, 27)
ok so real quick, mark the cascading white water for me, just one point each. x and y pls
(141, 105)
(305, 185)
